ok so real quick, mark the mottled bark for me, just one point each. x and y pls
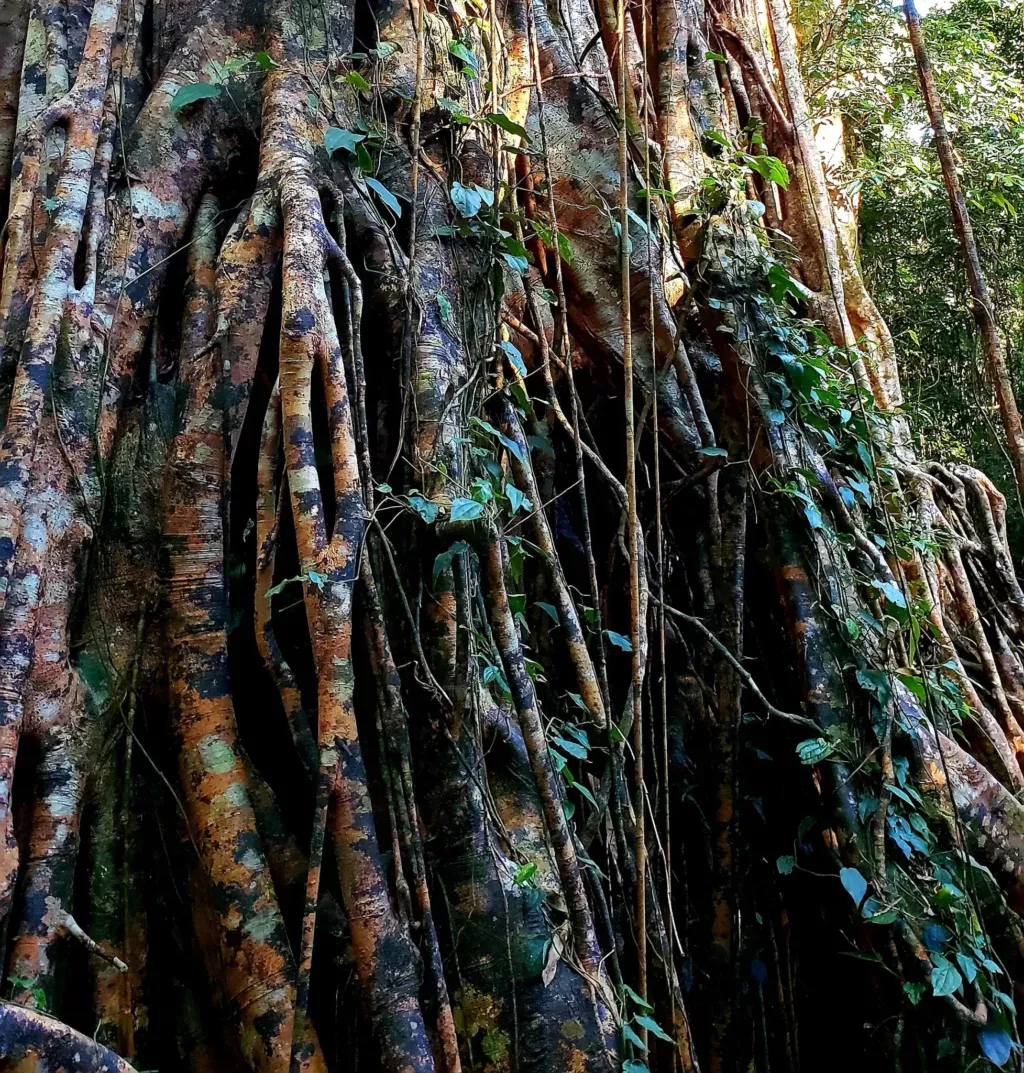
(363, 417)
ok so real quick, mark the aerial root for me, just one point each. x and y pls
(28, 1033)
(309, 343)
(269, 504)
(256, 961)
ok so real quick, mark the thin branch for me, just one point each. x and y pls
(799, 720)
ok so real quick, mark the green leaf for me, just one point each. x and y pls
(264, 61)
(466, 199)
(854, 883)
(781, 283)
(516, 263)
(424, 508)
(996, 1044)
(814, 750)
(813, 516)
(1005, 999)
(716, 56)
(643, 1003)
(459, 51)
(383, 49)
(541, 443)
(714, 452)
(914, 991)
(618, 640)
(876, 682)
(586, 793)
(494, 674)
(945, 978)
(631, 1037)
(277, 589)
(770, 168)
(785, 865)
(354, 78)
(514, 246)
(516, 498)
(465, 510)
(194, 91)
(384, 194)
(335, 138)
(507, 442)
(444, 560)
(573, 748)
(535, 950)
(499, 119)
(363, 159)
(550, 611)
(565, 248)
(874, 912)
(514, 356)
(578, 733)
(968, 966)
(891, 592)
(652, 1026)
(525, 873)
(578, 700)
(631, 1065)
(865, 456)
(455, 108)
(445, 307)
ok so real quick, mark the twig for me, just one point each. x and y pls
(74, 928)
(799, 720)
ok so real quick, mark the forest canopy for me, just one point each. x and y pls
(509, 525)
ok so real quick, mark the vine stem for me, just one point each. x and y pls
(640, 848)
(790, 717)
(645, 17)
(564, 353)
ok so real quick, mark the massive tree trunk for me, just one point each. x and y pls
(467, 600)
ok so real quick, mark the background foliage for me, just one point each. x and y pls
(858, 64)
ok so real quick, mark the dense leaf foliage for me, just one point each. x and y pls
(859, 67)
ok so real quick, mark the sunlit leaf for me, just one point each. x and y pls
(466, 510)
(192, 92)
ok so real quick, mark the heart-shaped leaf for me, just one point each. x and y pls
(856, 885)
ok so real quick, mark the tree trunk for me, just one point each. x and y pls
(382, 386)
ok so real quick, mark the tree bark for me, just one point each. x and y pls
(356, 364)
